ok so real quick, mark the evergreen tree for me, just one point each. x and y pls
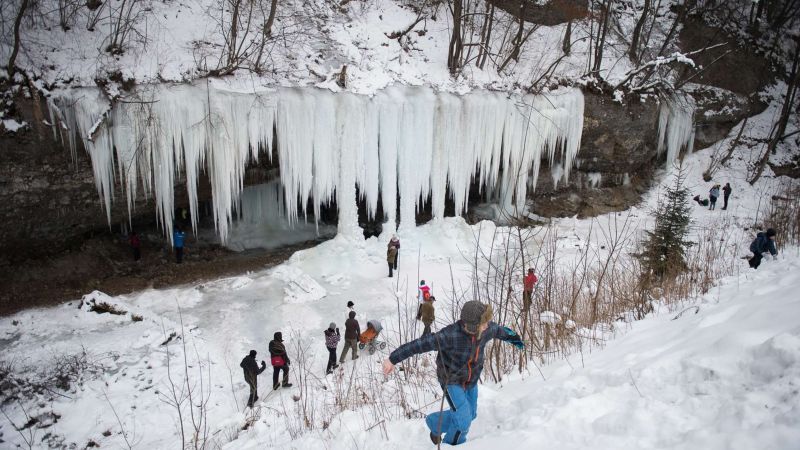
(664, 249)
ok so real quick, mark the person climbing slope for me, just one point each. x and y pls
(459, 363)
(251, 372)
(280, 361)
(764, 242)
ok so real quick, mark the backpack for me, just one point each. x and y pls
(277, 361)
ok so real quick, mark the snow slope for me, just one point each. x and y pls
(724, 374)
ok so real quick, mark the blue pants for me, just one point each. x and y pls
(454, 423)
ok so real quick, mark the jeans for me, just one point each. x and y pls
(253, 383)
(331, 359)
(179, 254)
(275, 371)
(526, 299)
(455, 422)
(349, 343)
(427, 329)
(755, 261)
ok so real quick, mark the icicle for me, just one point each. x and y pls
(415, 153)
(350, 138)
(406, 140)
(390, 107)
(675, 127)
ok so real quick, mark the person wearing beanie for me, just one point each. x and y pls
(351, 305)
(764, 242)
(424, 291)
(394, 243)
(331, 341)
(351, 332)
(280, 361)
(251, 373)
(459, 363)
(427, 314)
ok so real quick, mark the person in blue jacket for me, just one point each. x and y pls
(713, 195)
(177, 240)
(762, 243)
(459, 363)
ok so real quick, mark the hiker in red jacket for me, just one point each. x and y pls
(528, 282)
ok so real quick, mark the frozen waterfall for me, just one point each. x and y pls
(410, 143)
(675, 127)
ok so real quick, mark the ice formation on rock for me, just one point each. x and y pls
(409, 143)
(675, 127)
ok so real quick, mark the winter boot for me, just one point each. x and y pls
(287, 384)
(275, 388)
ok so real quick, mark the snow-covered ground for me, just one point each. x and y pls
(723, 375)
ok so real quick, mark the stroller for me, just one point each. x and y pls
(368, 338)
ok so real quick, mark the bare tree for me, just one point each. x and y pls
(637, 32)
(777, 134)
(122, 24)
(11, 67)
(456, 46)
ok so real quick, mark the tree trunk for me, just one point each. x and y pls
(566, 46)
(602, 31)
(637, 32)
(11, 68)
(517, 41)
(234, 33)
(456, 44)
(791, 89)
(486, 36)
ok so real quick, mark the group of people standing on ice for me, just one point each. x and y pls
(713, 195)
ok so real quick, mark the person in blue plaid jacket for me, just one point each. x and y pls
(459, 363)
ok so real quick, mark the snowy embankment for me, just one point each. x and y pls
(724, 374)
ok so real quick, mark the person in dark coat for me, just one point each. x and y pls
(331, 341)
(701, 202)
(459, 363)
(726, 192)
(251, 373)
(762, 243)
(427, 314)
(391, 258)
(177, 240)
(395, 242)
(136, 245)
(351, 332)
(280, 361)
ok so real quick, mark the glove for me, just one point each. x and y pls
(513, 338)
(263, 364)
